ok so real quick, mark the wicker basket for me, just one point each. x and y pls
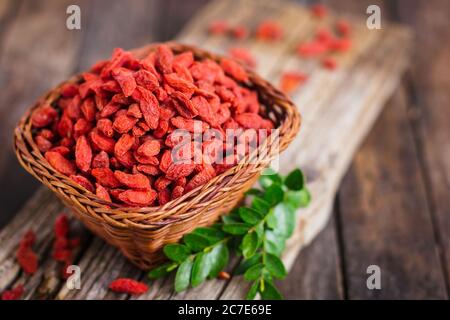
(141, 233)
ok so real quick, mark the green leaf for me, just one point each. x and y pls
(260, 205)
(236, 228)
(282, 219)
(270, 292)
(253, 192)
(266, 180)
(260, 232)
(249, 244)
(253, 291)
(247, 263)
(295, 180)
(212, 234)
(218, 258)
(200, 269)
(253, 272)
(196, 242)
(231, 218)
(298, 199)
(250, 215)
(274, 265)
(274, 243)
(176, 252)
(160, 271)
(183, 275)
(274, 194)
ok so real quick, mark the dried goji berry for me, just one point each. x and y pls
(148, 169)
(102, 192)
(102, 142)
(83, 181)
(137, 197)
(218, 27)
(135, 181)
(234, 69)
(129, 286)
(164, 59)
(329, 63)
(149, 148)
(177, 192)
(83, 154)
(190, 125)
(25, 255)
(178, 170)
(343, 27)
(123, 123)
(13, 294)
(43, 116)
(184, 105)
(60, 163)
(149, 106)
(100, 160)
(105, 126)
(105, 177)
(291, 80)
(43, 144)
(201, 178)
(269, 30)
(125, 79)
(319, 10)
(184, 59)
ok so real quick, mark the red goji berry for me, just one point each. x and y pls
(218, 27)
(134, 181)
(13, 294)
(269, 30)
(60, 163)
(83, 154)
(130, 286)
(291, 80)
(105, 177)
(137, 197)
(329, 63)
(235, 70)
(319, 10)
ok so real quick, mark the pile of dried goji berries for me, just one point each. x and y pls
(114, 131)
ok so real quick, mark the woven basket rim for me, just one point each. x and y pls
(28, 153)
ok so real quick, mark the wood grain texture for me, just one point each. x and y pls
(385, 218)
(339, 108)
(429, 113)
(316, 273)
(30, 63)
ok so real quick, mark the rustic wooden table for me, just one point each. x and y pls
(392, 208)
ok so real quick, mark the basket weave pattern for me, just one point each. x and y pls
(141, 233)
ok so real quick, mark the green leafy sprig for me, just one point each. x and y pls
(258, 232)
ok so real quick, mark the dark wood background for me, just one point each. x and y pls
(393, 208)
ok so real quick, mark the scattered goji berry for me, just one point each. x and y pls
(329, 63)
(291, 80)
(269, 30)
(319, 10)
(239, 32)
(13, 294)
(343, 27)
(129, 286)
(218, 27)
(25, 255)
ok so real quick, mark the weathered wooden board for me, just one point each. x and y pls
(338, 109)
